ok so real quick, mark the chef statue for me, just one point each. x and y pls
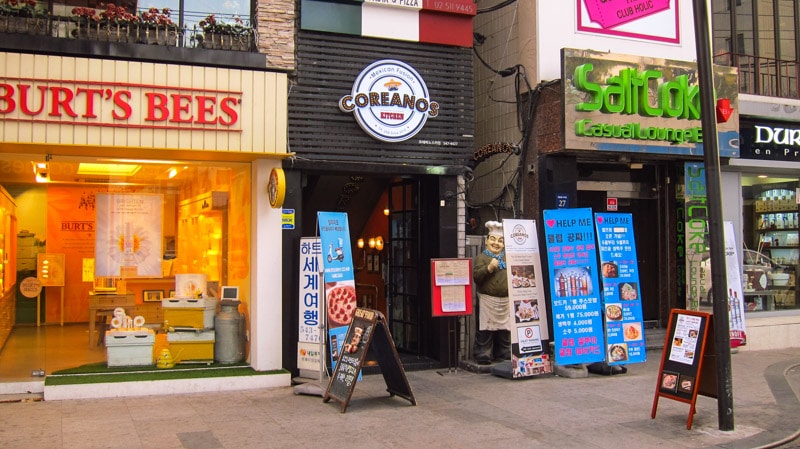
(493, 338)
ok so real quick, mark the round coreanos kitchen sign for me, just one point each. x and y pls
(390, 101)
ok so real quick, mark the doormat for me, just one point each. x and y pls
(101, 373)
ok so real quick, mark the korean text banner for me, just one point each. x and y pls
(622, 300)
(526, 299)
(308, 332)
(337, 262)
(572, 261)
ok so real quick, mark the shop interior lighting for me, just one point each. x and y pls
(88, 168)
(42, 171)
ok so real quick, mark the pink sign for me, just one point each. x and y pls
(610, 13)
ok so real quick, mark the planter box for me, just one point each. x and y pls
(189, 312)
(130, 348)
(192, 347)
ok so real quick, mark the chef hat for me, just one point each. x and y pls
(494, 228)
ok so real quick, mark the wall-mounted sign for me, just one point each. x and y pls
(643, 105)
(390, 101)
(650, 20)
(276, 188)
(770, 141)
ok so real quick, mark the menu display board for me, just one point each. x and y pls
(622, 300)
(572, 261)
(367, 332)
(681, 376)
(527, 306)
(451, 282)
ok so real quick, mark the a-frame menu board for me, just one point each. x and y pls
(681, 376)
(367, 332)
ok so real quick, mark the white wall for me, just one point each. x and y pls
(266, 332)
(557, 27)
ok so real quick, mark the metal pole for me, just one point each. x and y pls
(716, 228)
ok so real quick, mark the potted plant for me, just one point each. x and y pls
(22, 16)
(113, 23)
(222, 35)
(157, 27)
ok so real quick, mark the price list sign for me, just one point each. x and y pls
(622, 301)
(572, 261)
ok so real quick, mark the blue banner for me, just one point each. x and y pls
(338, 273)
(622, 299)
(572, 261)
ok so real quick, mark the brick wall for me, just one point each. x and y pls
(275, 27)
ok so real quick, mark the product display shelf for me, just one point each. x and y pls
(777, 223)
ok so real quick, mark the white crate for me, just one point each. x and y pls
(130, 348)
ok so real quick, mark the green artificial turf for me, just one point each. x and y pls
(101, 373)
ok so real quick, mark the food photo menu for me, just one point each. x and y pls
(572, 260)
(622, 302)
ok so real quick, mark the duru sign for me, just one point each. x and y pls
(390, 101)
(643, 105)
(770, 141)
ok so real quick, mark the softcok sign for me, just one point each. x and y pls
(390, 101)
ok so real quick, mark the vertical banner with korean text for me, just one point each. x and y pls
(309, 344)
(696, 236)
(339, 277)
(572, 261)
(527, 306)
(622, 300)
(738, 332)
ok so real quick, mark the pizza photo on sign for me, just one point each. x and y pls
(341, 299)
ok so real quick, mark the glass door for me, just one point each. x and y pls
(402, 290)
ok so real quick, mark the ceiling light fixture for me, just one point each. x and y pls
(87, 168)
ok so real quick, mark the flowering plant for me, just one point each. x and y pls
(156, 17)
(112, 13)
(21, 8)
(213, 25)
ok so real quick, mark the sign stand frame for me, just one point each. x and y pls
(438, 308)
(373, 329)
(693, 374)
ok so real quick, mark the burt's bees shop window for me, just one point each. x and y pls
(772, 248)
(82, 228)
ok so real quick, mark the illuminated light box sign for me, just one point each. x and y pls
(643, 105)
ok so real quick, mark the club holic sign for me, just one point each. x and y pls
(610, 13)
(117, 104)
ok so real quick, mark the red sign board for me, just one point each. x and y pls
(611, 204)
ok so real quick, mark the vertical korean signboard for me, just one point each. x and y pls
(527, 306)
(697, 252)
(622, 301)
(340, 286)
(572, 261)
(309, 345)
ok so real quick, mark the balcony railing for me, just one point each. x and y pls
(764, 76)
(70, 28)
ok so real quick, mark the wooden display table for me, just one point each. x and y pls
(107, 302)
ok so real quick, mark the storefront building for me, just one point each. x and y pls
(571, 158)
(129, 167)
(381, 128)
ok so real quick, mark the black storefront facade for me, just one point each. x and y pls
(405, 190)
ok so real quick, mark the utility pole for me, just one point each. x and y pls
(716, 228)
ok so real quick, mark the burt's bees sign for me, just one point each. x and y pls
(390, 101)
(75, 101)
